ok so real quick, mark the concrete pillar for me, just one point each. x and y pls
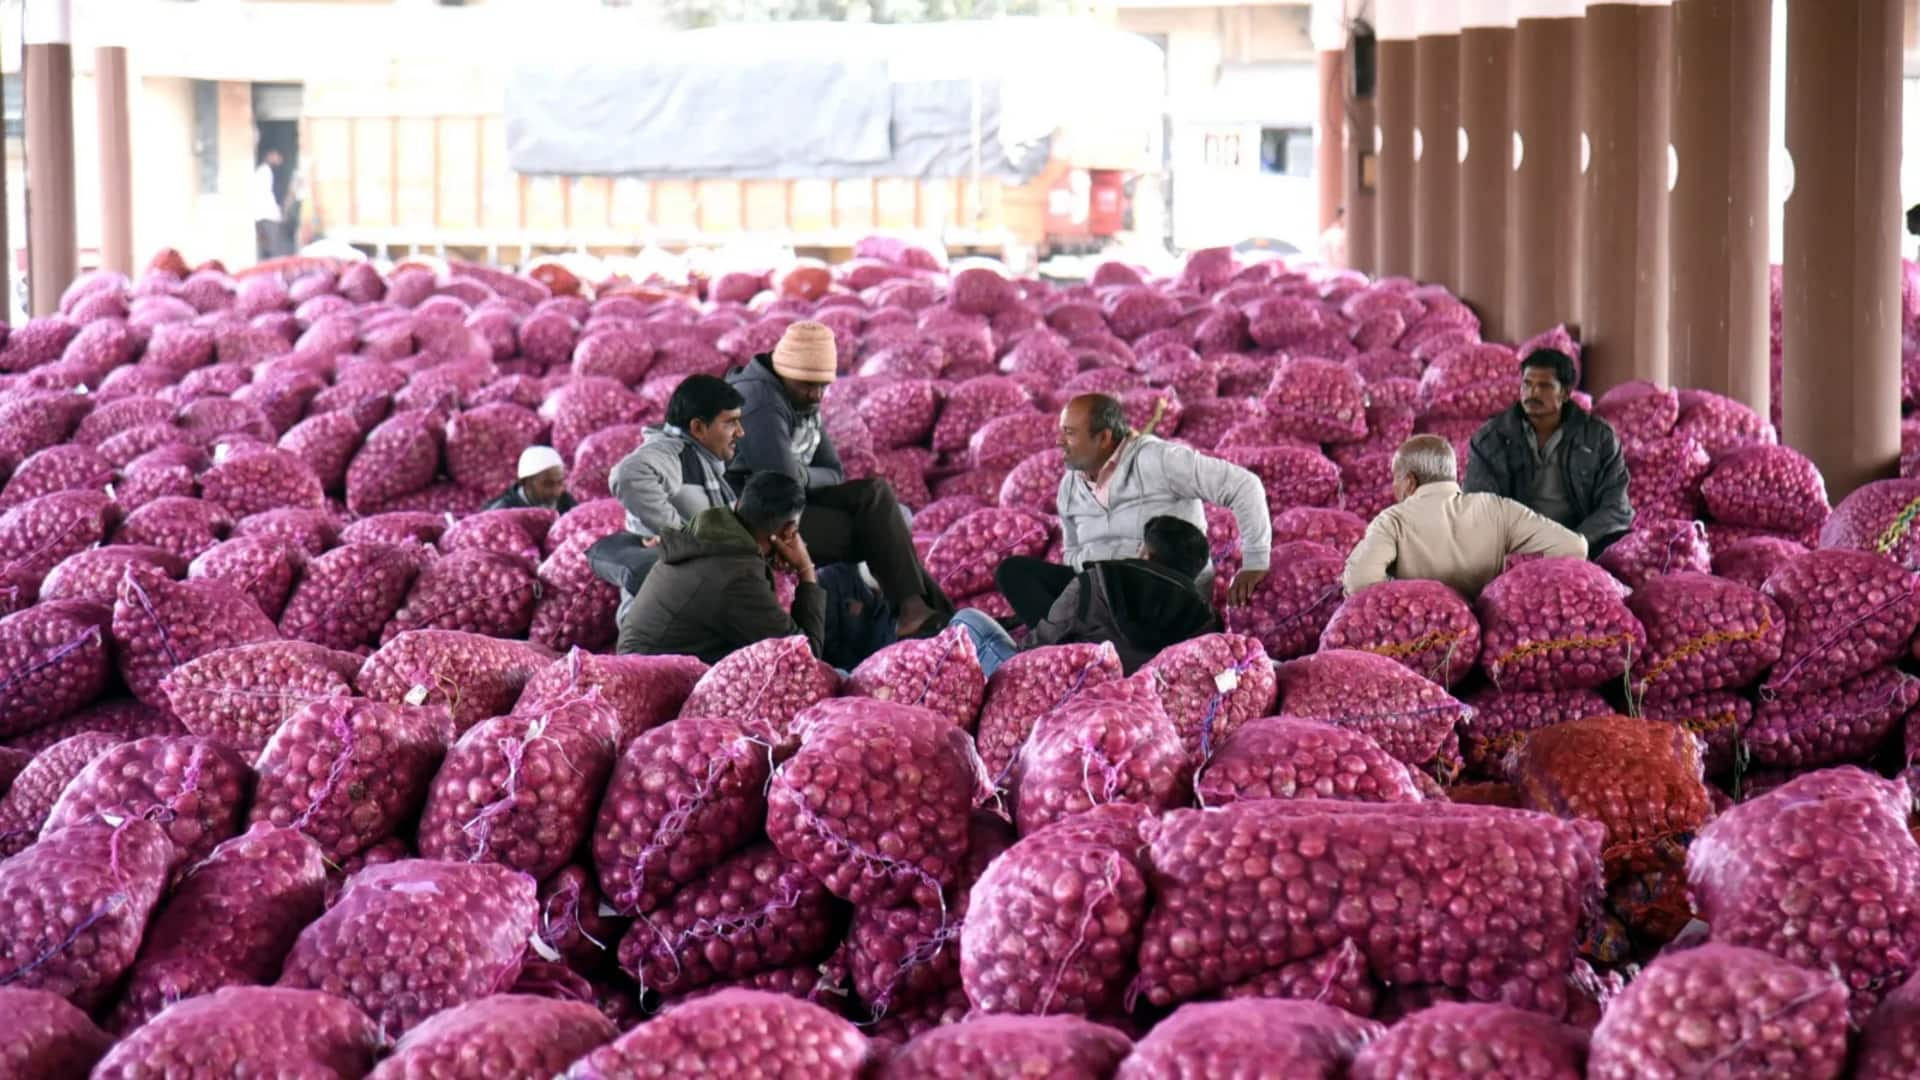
(1841, 303)
(1627, 64)
(1394, 117)
(1486, 161)
(116, 159)
(1330, 140)
(53, 244)
(1436, 195)
(1544, 241)
(1718, 325)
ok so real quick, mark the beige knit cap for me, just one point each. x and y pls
(806, 353)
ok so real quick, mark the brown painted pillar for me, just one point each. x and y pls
(1841, 305)
(1547, 193)
(53, 244)
(1394, 116)
(1486, 163)
(116, 159)
(1436, 195)
(1329, 150)
(1718, 325)
(1627, 64)
(1362, 186)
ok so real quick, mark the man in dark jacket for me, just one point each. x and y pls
(846, 521)
(712, 591)
(1561, 461)
(1141, 605)
(542, 483)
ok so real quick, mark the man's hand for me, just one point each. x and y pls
(1241, 591)
(792, 551)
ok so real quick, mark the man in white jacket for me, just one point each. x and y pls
(1117, 480)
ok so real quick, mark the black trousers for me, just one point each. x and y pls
(860, 521)
(1031, 585)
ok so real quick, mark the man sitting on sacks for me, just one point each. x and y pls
(542, 483)
(1118, 480)
(1439, 533)
(857, 521)
(1562, 461)
(712, 591)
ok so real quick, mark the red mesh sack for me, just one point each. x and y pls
(1251, 1037)
(1290, 608)
(1663, 478)
(72, 467)
(1766, 487)
(239, 696)
(1211, 685)
(1422, 624)
(1753, 560)
(1656, 548)
(94, 575)
(765, 687)
(1291, 476)
(250, 1030)
(1337, 529)
(1318, 400)
(940, 674)
(1877, 517)
(838, 807)
(501, 1035)
(36, 535)
(1280, 757)
(1458, 1041)
(900, 413)
(500, 532)
(756, 911)
(185, 526)
(1502, 719)
(38, 786)
(261, 567)
(195, 789)
(1703, 633)
(77, 903)
(1718, 1010)
(643, 691)
(1755, 875)
(53, 661)
(1010, 1047)
(158, 625)
(1556, 624)
(476, 592)
(1639, 411)
(1056, 919)
(255, 481)
(1889, 1047)
(1409, 716)
(49, 1037)
(1847, 613)
(1111, 744)
(399, 458)
(1338, 977)
(1833, 725)
(742, 1033)
(396, 527)
(974, 402)
(310, 531)
(1717, 719)
(1029, 685)
(347, 596)
(472, 677)
(1033, 486)
(521, 790)
(1468, 382)
(227, 923)
(1311, 867)
(408, 939)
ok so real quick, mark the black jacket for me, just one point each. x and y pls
(1138, 605)
(515, 498)
(1501, 463)
(769, 420)
(711, 592)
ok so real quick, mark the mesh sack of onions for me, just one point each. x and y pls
(1832, 725)
(1033, 486)
(408, 939)
(1006, 441)
(756, 911)
(1366, 485)
(1663, 478)
(1211, 685)
(227, 923)
(1847, 613)
(254, 481)
(484, 443)
(94, 575)
(261, 567)
(185, 526)
(77, 906)
(971, 404)
(69, 467)
(194, 788)
(1655, 548)
(575, 608)
(1111, 744)
(471, 676)
(501, 532)
(838, 807)
(1722, 1010)
(1752, 560)
(239, 696)
(643, 691)
(1889, 1047)
(1756, 875)
(1290, 476)
(348, 595)
(941, 674)
(1556, 624)
(577, 927)
(1422, 624)
(1312, 863)
(250, 1030)
(1251, 1037)
(901, 413)
(1010, 1046)
(1281, 757)
(1766, 487)
(1717, 719)
(1455, 1041)
(963, 560)
(41, 780)
(1468, 382)
(1703, 633)
(36, 535)
(1337, 529)
(1639, 411)
(396, 527)
(1409, 716)
(1318, 400)
(53, 662)
(399, 458)
(521, 790)
(1720, 424)
(502, 1035)
(736, 1033)
(1290, 608)
(1056, 919)
(49, 1036)
(1337, 977)
(1029, 685)
(1878, 517)
(477, 592)
(1502, 720)
(351, 774)
(764, 686)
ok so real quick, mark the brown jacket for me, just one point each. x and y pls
(712, 593)
(1458, 539)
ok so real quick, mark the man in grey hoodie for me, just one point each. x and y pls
(681, 468)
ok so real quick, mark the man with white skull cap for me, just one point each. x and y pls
(542, 483)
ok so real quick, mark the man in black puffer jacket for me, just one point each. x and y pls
(1561, 461)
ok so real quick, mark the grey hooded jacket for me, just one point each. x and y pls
(667, 482)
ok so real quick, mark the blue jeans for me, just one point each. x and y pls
(990, 641)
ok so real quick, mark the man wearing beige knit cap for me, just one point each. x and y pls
(851, 522)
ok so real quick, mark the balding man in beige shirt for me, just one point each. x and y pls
(1439, 533)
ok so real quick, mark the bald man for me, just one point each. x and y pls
(1118, 480)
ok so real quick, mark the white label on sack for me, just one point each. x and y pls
(1227, 681)
(220, 453)
(417, 695)
(547, 952)
(110, 493)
